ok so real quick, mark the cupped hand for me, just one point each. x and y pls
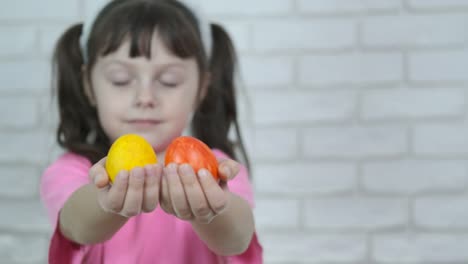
(196, 197)
(131, 193)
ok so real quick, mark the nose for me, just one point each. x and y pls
(145, 97)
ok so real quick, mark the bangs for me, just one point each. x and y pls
(137, 21)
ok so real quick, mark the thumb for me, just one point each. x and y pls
(98, 174)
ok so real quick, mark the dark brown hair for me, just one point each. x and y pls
(137, 20)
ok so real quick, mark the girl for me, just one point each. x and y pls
(146, 67)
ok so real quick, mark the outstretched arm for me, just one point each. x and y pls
(223, 220)
(95, 212)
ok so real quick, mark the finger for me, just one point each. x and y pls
(151, 187)
(215, 195)
(98, 174)
(228, 169)
(116, 194)
(134, 197)
(196, 198)
(177, 193)
(164, 197)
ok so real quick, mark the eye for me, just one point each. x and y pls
(121, 83)
(168, 84)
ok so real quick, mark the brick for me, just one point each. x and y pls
(437, 4)
(17, 40)
(19, 182)
(432, 65)
(28, 216)
(308, 107)
(391, 31)
(440, 139)
(26, 112)
(37, 144)
(23, 249)
(346, 6)
(267, 215)
(414, 176)
(412, 103)
(26, 75)
(304, 248)
(441, 212)
(356, 213)
(269, 72)
(239, 33)
(91, 7)
(40, 10)
(355, 142)
(245, 7)
(420, 248)
(304, 178)
(355, 68)
(285, 143)
(290, 35)
(49, 36)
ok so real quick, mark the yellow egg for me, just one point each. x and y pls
(127, 152)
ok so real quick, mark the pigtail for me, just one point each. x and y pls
(217, 113)
(77, 116)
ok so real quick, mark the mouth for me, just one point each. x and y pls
(144, 122)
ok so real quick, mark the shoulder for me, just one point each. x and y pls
(220, 154)
(69, 161)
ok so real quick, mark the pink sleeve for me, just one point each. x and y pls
(58, 182)
(241, 186)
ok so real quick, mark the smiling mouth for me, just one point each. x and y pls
(146, 122)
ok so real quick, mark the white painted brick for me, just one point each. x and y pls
(440, 139)
(48, 111)
(420, 248)
(355, 68)
(275, 143)
(413, 30)
(20, 76)
(302, 34)
(239, 33)
(267, 71)
(23, 249)
(346, 6)
(25, 112)
(412, 176)
(314, 248)
(49, 35)
(93, 6)
(37, 146)
(356, 213)
(441, 212)
(268, 216)
(413, 103)
(28, 216)
(305, 178)
(19, 182)
(355, 142)
(304, 106)
(17, 40)
(32, 9)
(433, 66)
(246, 7)
(437, 4)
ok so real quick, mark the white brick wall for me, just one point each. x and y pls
(356, 123)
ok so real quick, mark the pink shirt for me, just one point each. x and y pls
(154, 237)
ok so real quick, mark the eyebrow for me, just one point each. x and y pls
(158, 65)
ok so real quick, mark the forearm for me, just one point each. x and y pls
(230, 232)
(83, 221)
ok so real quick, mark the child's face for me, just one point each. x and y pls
(153, 98)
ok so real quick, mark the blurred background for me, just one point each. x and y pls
(354, 113)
